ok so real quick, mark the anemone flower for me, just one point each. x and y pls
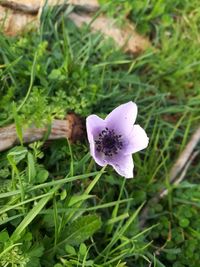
(114, 139)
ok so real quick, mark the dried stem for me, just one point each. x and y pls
(182, 175)
(72, 128)
(180, 167)
(25, 8)
(185, 155)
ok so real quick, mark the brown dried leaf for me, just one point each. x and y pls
(125, 37)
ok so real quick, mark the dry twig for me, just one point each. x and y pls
(33, 6)
(185, 155)
(182, 175)
(180, 167)
(27, 7)
(72, 128)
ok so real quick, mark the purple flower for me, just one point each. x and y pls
(113, 140)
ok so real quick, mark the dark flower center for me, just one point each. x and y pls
(108, 142)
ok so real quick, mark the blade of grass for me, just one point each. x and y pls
(31, 215)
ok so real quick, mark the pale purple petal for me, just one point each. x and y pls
(94, 126)
(122, 118)
(113, 140)
(123, 165)
(136, 141)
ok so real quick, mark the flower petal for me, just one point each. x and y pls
(94, 126)
(137, 140)
(123, 165)
(122, 118)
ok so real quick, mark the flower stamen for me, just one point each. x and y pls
(108, 142)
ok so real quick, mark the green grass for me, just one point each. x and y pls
(57, 207)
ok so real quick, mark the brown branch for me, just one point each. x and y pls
(185, 155)
(182, 175)
(21, 7)
(32, 7)
(72, 128)
(180, 167)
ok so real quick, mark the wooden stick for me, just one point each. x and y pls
(32, 7)
(185, 155)
(182, 175)
(72, 128)
(180, 167)
(25, 8)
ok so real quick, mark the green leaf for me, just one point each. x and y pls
(184, 222)
(36, 251)
(76, 199)
(16, 155)
(80, 230)
(41, 176)
(70, 250)
(18, 125)
(31, 168)
(31, 215)
(4, 236)
(82, 249)
(56, 74)
(158, 9)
